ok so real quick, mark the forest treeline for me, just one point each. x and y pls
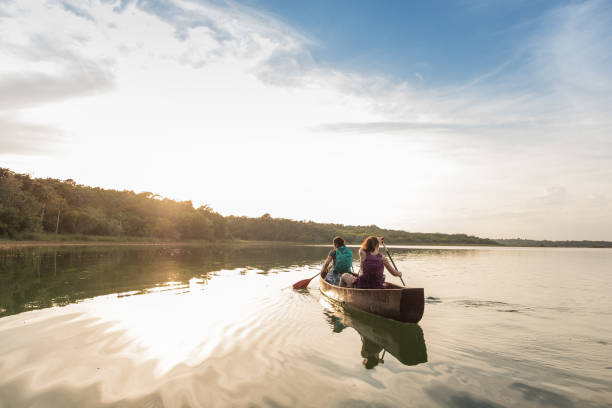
(35, 205)
(266, 228)
(65, 207)
(519, 242)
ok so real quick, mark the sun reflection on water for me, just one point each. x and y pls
(181, 323)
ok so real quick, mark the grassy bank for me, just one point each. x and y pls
(50, 239)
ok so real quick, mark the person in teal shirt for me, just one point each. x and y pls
(342, 259)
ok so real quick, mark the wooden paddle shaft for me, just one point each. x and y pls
(391, 258)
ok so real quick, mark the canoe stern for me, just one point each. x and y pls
(412, 305)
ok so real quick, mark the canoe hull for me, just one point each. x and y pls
(398, 303)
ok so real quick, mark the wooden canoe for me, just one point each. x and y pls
(395, 302)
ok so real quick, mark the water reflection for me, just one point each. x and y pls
(41, 277)
(36, 278)
(379, 336)
(221, 326)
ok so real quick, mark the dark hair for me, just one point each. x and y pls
(370, 244)
(338, 242)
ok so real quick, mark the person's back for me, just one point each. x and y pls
(342, 259)
(372, 267)
(372, 276)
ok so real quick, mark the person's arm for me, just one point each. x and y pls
(390, 268)
(362, 256)
(326, 264)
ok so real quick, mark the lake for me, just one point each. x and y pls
(182, 326)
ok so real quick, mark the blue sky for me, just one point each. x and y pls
(442, 41)
(488, 118)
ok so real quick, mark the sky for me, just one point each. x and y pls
(469, 116)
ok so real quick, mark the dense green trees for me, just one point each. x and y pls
(280, 229)
(519, 242)
(49, 205)
(33, 205)
(29, 205)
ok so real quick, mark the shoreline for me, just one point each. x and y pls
(100, 241)
(8, 244)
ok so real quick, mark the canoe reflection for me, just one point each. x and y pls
(378, 335)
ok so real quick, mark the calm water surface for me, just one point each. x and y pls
(220, 326)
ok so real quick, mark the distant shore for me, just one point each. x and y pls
(7, 243)
(96, 240)
(53, 240)
(45, 211)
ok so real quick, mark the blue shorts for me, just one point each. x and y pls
(333, 277)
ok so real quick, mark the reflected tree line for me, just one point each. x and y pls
(31, 206)
(41, 277)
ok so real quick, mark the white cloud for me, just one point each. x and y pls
(26, 138)
(222, 104)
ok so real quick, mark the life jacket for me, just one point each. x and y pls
(344, 260)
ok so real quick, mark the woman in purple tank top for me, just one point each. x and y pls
(372, 267)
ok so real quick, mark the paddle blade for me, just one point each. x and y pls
(302, 284)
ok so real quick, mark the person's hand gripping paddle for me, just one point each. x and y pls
(391, 258)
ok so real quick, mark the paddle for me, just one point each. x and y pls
(391, 258)
(304, 282)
